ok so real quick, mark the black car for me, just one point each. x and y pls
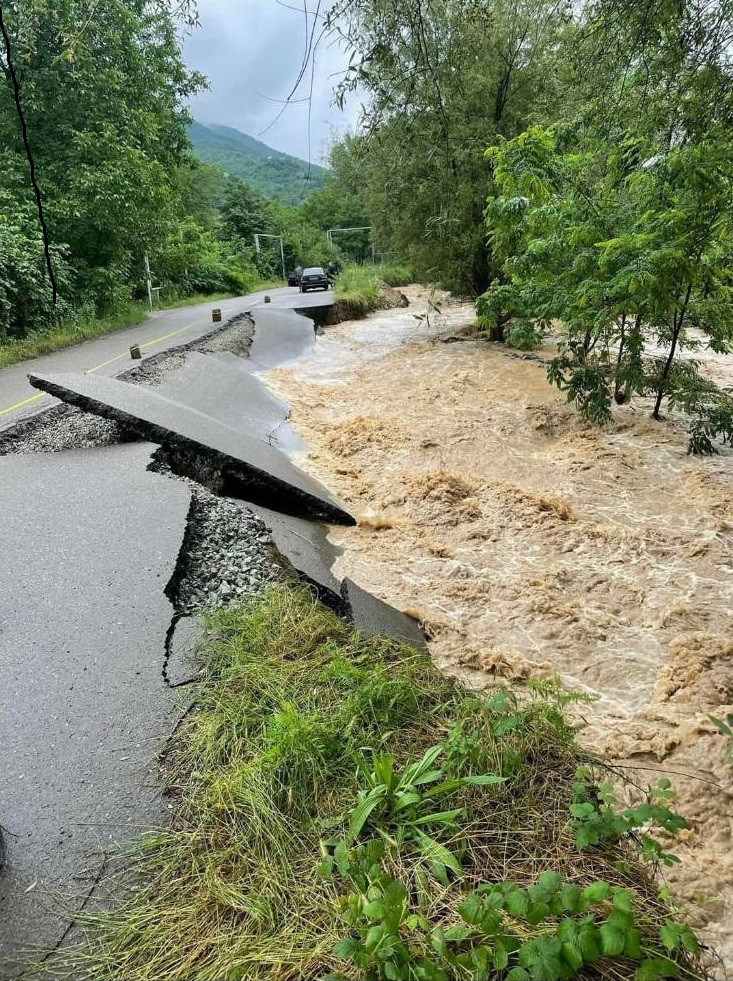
(313, 278)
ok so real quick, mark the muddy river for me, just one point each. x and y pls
(529, 543)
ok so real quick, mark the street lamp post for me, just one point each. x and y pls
(355, 228)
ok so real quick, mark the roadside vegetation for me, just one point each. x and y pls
(357, 288)
(118, 182)
(343, 810)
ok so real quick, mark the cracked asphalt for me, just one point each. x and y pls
(109, 356)
(86, 558)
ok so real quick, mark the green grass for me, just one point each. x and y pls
(84, 326)
(395, 275)
(264, 776)
(357, 287)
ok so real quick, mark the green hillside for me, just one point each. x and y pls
(275, 174)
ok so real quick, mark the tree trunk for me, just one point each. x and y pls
(677, 327)
(620, 397)
(496, 333)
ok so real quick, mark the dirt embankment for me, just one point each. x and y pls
(530, 543)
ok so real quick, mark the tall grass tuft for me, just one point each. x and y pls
(357, 288)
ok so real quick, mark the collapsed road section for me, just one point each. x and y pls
(111, 552)
(264, 473)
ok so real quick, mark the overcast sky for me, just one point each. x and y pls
(251, 51)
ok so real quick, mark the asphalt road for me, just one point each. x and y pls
(110, 355)
(89, 540)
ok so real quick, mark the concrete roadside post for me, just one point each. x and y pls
(216, 315)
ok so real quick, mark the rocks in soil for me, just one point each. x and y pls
(61, 428)
(227, 553)
(390, 298)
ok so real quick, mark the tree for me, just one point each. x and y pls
(444, 81)
(618, 226)
(103, 90)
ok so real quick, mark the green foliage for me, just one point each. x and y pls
(25, 294)
(548, 931)
(80, 324)
(357, 288)
(596, 820)
(196, 261)
(271, 173)
(614, 223)
(272, 867)
(402, 805)
(104, 91)
(444, 81)
(334, 206)
(245, 212)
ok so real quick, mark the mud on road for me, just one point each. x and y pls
(529, 543)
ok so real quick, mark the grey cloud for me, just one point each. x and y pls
(251, 51)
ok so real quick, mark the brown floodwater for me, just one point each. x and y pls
(528, 543)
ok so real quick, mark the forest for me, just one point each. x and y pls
(564, 164)
(568, 164)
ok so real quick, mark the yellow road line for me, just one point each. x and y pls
(18, 405)
(104, 363)
(157, 340)
(165, 337)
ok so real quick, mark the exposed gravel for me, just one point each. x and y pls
(227, 552)
(62, 428)
(235, 339)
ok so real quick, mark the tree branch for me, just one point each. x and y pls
(29, 155)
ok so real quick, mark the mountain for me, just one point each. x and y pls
(275, 174)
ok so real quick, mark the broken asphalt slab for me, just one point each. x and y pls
(223, 387)
(257, 471)
(281, 336)
(89, 541)
(305, 545)
(378, 619)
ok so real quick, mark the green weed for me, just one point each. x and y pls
(357, 287)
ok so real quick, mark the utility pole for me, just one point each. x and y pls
(149, 282)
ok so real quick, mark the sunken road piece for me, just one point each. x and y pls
(281, 336)
(222, 386)
(306, 546)
(376, 618)
(265, 475)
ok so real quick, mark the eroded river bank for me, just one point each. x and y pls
(529, 543)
